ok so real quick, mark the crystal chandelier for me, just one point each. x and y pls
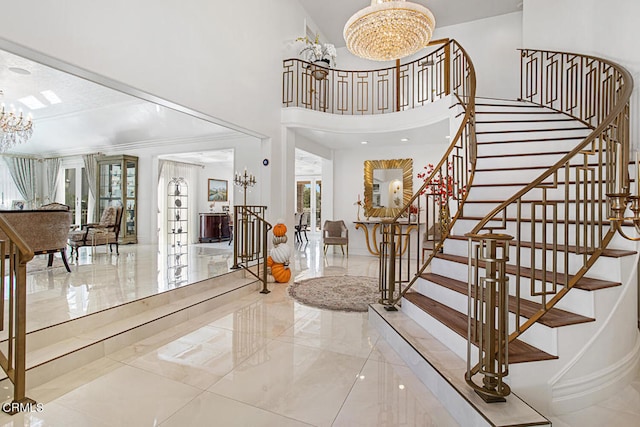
(14, 129)
(389, 30)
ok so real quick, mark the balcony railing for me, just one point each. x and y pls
(383, 91)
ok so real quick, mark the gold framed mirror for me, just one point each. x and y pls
(388, 186)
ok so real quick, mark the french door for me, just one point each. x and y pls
(308, 199)
(76, 193)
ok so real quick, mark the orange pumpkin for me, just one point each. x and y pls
(269, 261)
(279, 230)
(281, 273)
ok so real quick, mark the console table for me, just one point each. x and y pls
(372, 231)
(214, 227)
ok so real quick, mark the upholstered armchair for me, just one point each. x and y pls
(335, 233)
(44, 230)
(104, 232)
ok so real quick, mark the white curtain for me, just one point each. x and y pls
(23, 172)
(52, 174)
(8, 190)
(167, 170)
(90, 167)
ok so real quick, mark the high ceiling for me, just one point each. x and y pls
(89, 116)
(92, 117)
(331, 15)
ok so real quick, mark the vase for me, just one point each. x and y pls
(319, 69)
(413, 218)
(445, 219)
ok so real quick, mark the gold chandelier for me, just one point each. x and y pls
(389, 29)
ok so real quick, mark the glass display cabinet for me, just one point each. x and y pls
(117, 184)
(177, 230)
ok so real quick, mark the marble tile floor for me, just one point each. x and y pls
(265, 360)
(100, 280)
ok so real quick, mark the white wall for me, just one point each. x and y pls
(349, 179)
(605, 29)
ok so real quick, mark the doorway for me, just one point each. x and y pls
(309, 200)
(76, 193)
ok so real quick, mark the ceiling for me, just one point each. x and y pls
(89, 117)
(92, 117)
(331, 15)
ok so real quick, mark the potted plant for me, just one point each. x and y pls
(442, 188)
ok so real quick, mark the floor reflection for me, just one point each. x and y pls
(101, 280)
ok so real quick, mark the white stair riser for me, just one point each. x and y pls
(605, 268)
(442, 333)
(539, 122)
(532, 159)
(577, 301)
(525, 146)
(528, 136)
(508, 107)
(571, 210)
(515, 114)
(539, 335)
(525, 176)
(527, 230)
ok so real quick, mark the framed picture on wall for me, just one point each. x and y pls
(217, 191)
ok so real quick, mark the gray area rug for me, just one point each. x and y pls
(340, 293)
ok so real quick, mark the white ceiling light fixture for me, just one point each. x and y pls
(31, 102)
(51, 96)
(389, 29)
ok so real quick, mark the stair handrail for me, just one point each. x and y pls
(597, 94)
(457, 166)
(19, 253)
(250, 231)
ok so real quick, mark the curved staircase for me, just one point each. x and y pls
(542, 177)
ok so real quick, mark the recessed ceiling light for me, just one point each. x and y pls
(32, 102)
(448, 136)
(364, 142)
(404, 139)
(19, 70)
(51, 97)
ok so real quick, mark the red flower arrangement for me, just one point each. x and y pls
(443, 187)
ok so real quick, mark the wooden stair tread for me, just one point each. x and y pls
(585, 283)
(553, 318)
(519, 351)
(610, 253)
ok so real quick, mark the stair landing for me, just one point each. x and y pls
(442, 371)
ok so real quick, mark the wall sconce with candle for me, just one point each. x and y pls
(622, 197)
